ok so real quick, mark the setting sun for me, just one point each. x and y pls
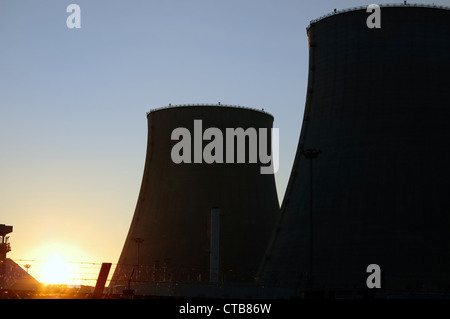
(55, 270)
(62, 263)
(58, 271)
(58, 263)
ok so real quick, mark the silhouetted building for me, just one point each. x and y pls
(12, 276)
(378, 109)
(199, 222)
(5, 246)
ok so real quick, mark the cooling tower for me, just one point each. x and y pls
(199, 222)
(378, 109)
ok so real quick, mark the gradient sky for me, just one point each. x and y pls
(73, 102)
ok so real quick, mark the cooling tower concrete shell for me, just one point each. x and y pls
(378, 109)
(170, 234)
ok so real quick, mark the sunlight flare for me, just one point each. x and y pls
(58, 271)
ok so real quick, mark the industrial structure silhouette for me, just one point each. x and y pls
(378, 109)
(187, 212)
(369, 183)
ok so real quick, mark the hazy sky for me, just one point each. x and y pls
(73, 102)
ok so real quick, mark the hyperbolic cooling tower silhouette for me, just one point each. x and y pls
(378, 109)
(169, 236)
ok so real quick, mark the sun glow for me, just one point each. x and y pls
(62, 263)
(58, 271)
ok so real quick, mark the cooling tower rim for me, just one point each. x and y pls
(221, 106)
(388, 5)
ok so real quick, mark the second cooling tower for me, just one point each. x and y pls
(378, 109)
(198, 221)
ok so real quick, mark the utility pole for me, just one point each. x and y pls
(138, 241)
(311, 154)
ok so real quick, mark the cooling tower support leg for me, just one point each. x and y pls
(214, 245)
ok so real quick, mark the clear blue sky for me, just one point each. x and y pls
(73, 102)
